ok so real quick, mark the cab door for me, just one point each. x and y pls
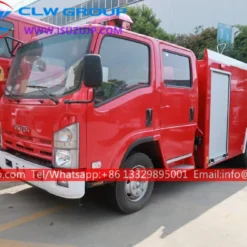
(179, 103)
(119, 114)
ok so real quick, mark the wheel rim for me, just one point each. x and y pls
(136, 190)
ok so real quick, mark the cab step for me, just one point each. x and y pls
(183, 167)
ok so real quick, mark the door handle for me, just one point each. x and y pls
(192, 114)
(149, 117)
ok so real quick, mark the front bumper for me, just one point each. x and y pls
(75, 190)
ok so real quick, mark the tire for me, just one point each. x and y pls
(125, 201)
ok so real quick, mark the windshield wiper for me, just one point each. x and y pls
(12, 95)
(42, 90)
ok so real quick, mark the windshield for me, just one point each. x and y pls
(53, 64)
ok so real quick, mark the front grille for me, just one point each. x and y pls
(25, 148)
(26, 138)
(36, 160)
(28, 145)
(8, 142)
(46, 153)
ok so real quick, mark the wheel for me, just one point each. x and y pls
(131, 196)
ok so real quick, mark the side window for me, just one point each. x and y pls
(177, 70)
(4, 52)
(125, 67)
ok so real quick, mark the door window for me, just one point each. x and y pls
(177, 70)
(125, 67)
(4, 52)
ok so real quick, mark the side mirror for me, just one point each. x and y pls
(41, 65)
(92, 71)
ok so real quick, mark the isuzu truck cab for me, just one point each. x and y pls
(102, 101)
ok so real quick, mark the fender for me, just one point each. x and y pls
(135, 144)
(124, 151)
(129, 146)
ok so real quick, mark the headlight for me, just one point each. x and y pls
(63, 158)
(66, 147)
(65, 135)
(67, 138)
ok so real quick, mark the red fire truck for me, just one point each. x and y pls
(16, 24)
(97, 101)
